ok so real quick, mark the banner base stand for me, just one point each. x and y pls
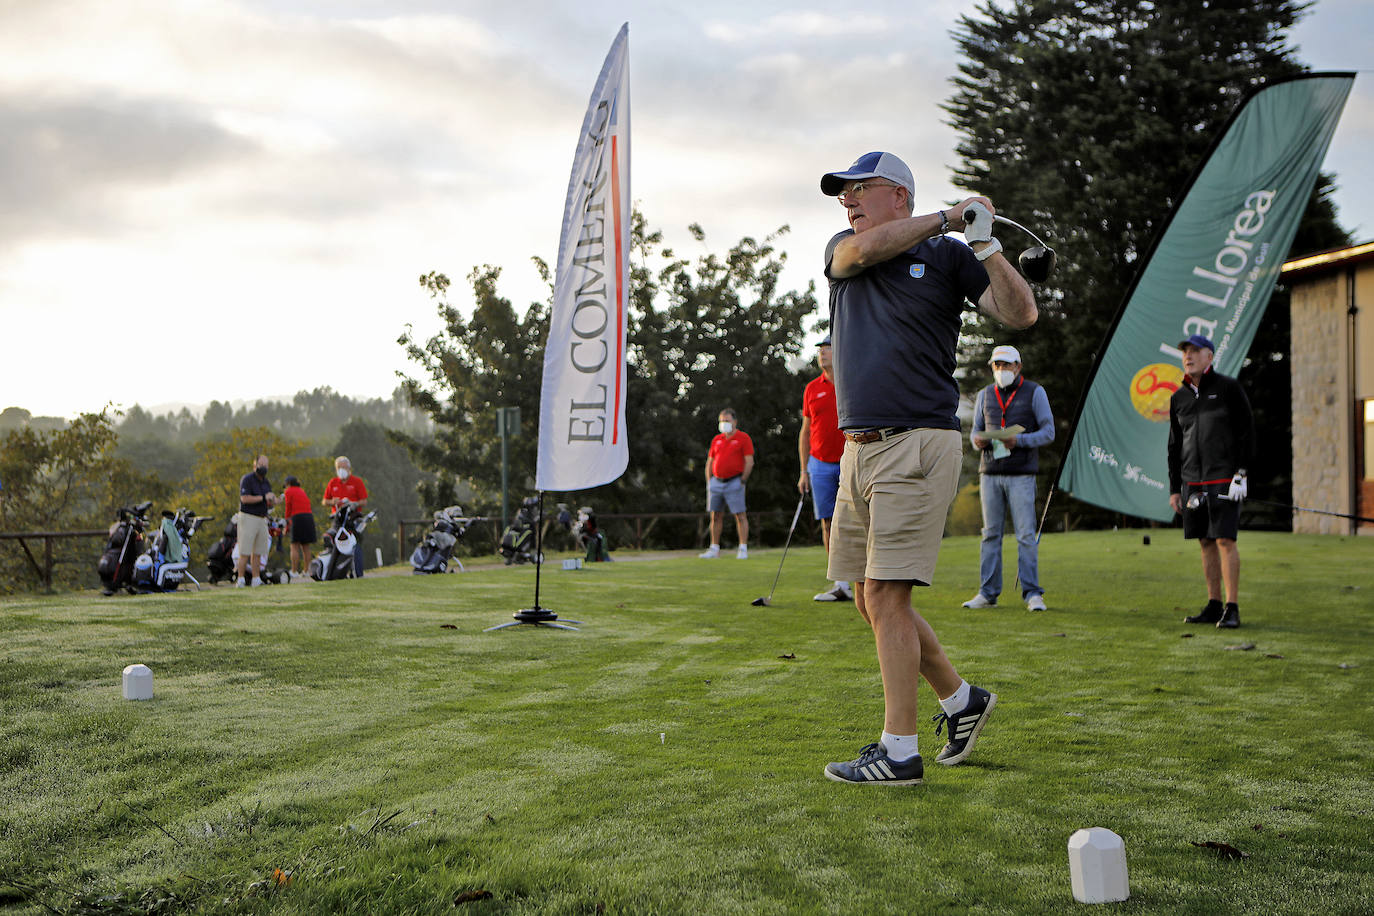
(534, 616)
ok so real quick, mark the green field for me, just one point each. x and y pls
(364, 747)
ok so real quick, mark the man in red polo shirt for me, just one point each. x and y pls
(347, 486)
(729, 462)
(819, 446)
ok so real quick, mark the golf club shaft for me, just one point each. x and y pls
(795, 515)
(1012, 222)
(1357, 518)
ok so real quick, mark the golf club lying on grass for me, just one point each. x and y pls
(767, 602)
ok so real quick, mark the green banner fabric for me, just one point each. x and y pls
(1210, 272)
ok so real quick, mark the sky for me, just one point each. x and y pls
(234, 199)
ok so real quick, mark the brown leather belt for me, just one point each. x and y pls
(861, 436)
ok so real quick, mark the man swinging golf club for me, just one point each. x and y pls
(897, 291)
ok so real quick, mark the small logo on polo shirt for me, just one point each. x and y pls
(918, 271)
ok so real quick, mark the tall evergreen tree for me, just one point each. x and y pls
(1085, 119)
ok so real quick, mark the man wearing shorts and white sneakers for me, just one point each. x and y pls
(819, 446)
(729, 462)
(897, 293)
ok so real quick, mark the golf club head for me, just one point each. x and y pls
(761, 602)
(1037, 263)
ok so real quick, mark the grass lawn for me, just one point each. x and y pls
(364, 747)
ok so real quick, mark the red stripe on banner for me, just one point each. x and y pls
(619, 288)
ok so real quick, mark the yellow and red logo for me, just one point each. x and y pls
(1151, 389)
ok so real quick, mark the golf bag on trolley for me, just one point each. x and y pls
(434, 553)
(165, 564)
(116, 565)
(340, 543)
(585, 533)
(220, 559)
(517, 541)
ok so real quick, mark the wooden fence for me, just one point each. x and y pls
(44, 569)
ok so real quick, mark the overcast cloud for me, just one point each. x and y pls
(245, 191)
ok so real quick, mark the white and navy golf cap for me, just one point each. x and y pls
(869, 165)
(1005, 354)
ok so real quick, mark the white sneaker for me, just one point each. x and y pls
(742, 553)
(1035, 603)
(838, 593)
(257, 582)
(239, 583)
(711, 553)
(827, 596)
(980, 600)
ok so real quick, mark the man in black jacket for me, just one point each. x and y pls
(1211, 442)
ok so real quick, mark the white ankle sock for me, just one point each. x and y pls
(957, 701)
(840, 583)
(900, 747)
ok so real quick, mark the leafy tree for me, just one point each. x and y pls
(223, 460)
(63, 480)
(1084, 119)
(703, 334)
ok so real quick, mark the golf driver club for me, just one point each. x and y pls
(768, 602)
(1037, 262)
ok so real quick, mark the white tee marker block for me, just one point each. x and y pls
(138, 683)
(1097, 866)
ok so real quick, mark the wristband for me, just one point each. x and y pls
(944, 223)
(992, 248)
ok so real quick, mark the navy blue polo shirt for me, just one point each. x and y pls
(250, 485)
(894, 328)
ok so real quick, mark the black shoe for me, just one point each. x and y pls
(1231, 618)
(874, 767)
(1210, 614)
(964, 726)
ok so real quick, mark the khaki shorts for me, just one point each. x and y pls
(254, 538)
(891, 507)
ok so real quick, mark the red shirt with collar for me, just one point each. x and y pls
(727, 454)
(818, 406)
(351, 489)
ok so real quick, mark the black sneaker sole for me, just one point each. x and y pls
(973, 736)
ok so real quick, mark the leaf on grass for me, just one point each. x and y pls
(1347, 665)
(1225, 850)
(447, 626)
(1186, 636)
(788, 655)
(281, 876)
(1240, 647)
(472, 896)
(1059, 634)
(1272, 655)
(490, 819)
(1256, 826)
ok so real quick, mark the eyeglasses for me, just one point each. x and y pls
(857, 191)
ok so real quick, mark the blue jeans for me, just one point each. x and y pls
(998, 493)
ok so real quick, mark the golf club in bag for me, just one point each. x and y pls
(767, 602)
(433, 554)
(116, 565)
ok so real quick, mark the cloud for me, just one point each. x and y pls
(71, 164)
(795, 24)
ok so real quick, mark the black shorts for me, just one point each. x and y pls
(1206, 514)
(303, 528)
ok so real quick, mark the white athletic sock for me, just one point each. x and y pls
(900, 747)
(956, 702)
(715, 547)
(840, 583)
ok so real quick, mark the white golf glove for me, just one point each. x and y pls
(1238, 490)
(977, 223)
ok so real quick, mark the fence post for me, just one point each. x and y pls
(47, 563)
(639, 534)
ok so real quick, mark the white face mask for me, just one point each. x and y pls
(1004, 377)
(343, 473)
(726, 426)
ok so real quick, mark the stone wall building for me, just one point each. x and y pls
(1332, 360)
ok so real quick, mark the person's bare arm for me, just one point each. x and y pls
(1008, 298)
(856, 253)
(748, 468)
(804, 452)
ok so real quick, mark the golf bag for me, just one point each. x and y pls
(517, 541)
(164, 565)
(340, 541)
(116, 565)
(220, 559)
(589, 536)
(434, 553)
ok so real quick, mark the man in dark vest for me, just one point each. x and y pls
(1006, 474)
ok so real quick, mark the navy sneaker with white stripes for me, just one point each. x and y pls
(964, 726)
(874, 767)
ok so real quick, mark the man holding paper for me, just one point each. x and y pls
(1011, 420)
